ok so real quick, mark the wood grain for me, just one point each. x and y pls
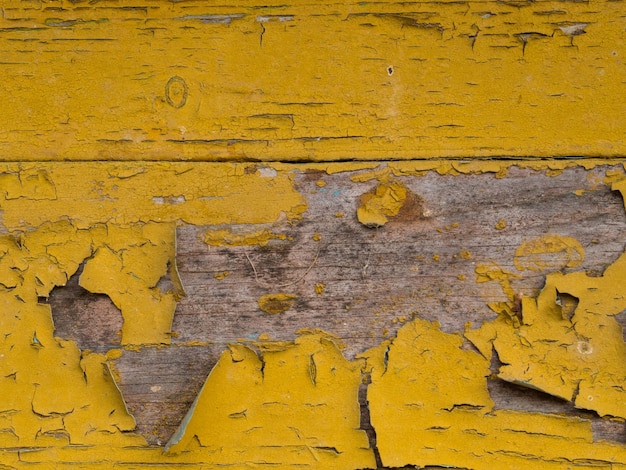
(302, 81)
(422, 263)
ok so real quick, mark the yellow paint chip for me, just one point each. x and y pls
(500, 225)
(276, 303)
(384, 202)
(549, 252)
(221, 275)
(225, 237)
(493, 272)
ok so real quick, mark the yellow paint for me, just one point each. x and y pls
(384, 202)
(549, 252)
(467, 80)
(576, 358)
(225, 237)
(119, 220)
(51, 394)
(493, 272)
(128, 193)
(614, 175)
(267, 81)
(295, 403)
(276, 303)
(429, 404)
(221, 276)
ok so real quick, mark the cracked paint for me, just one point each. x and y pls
(578, 357)
(89, 86)
(384, 202)
(288, 403)
(426, 386)
(433, 80)
(49, 387)
(549, 252)
(429, 404)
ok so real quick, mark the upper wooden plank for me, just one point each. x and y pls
(301, 81)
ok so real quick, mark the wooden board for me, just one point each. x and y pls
(301, 81)
(355, 282)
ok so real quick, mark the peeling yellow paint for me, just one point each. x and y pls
(575, 353)
(226, 237)
(276, 303)
(189, 81)
(549, 252)
(384, 202)
(127, 260)
(129, 193)
(493, 272)
(51, 393)
(293, 404)
(429, 404)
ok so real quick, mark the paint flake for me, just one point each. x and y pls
(429, 405)
(257, 416)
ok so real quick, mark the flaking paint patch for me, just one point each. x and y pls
(549, 252)
(384, 202)
(429, 405)
(67, 250)
(224, 237)
(123, 194)
(581, 358)
(51, 392)
(276, 303)
(293, 404)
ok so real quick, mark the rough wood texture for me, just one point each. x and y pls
(422, 263)
(302, 81)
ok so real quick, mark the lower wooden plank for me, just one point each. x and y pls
(369, 254)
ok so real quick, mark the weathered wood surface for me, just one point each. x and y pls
(303, 81)
(358, 283)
